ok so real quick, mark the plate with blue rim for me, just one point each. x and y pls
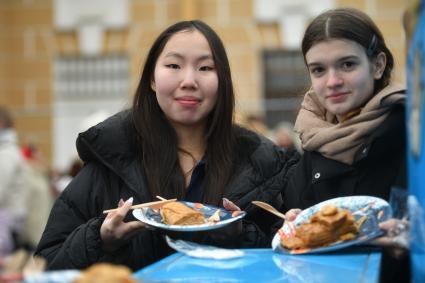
(375, 210)
(153, 218)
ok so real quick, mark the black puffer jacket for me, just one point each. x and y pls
(111, 172)
(379, 165)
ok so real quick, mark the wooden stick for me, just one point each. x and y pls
(269, 208)
(153, 204)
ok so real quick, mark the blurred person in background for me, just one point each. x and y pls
(285, 136)
(12, 184)
(39, 199)
(178, 141)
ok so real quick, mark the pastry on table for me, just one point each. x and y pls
(106, 273)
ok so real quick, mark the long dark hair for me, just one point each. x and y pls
(351, 24)
(157, 139)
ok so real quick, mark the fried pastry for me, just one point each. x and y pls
(176, 213)
(328, 225)
(315, 234)
(106, 273)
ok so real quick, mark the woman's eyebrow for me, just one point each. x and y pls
(205, 57)
(313, 64)
(180, 56)
(350, 57)
(174, 54)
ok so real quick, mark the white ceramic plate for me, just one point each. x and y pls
(153, 218)
(376, 209)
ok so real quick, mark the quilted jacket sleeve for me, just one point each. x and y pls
(262, 178)
(71, 238)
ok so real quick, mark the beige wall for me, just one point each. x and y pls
(29, 44)
(387, 14)
(25, 68)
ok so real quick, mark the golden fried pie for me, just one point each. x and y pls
(176, 213)
(106, 273)
(328, 225)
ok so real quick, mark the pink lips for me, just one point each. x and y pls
(188, 101)
(337, 97)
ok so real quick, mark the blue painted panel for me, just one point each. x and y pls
(416, 145)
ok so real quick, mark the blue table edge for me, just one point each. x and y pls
(370, 273)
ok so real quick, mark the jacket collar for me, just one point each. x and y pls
(111, 144)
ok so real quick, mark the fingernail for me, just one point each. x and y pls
(130, 200)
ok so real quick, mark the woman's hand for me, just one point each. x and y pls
(228, 235)
(291, 214)
(396, 237)
(114, 232)
(230, 206)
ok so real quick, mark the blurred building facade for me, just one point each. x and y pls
(53, 82)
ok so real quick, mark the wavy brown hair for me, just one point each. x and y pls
(354, 25)
(157, 139)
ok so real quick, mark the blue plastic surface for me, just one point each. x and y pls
(264, 265)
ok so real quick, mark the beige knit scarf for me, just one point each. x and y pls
(319, 130)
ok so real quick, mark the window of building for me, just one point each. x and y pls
(81, 77)
(285, 80)
(88, 89)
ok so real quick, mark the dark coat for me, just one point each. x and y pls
(379, 165)
(71, 239)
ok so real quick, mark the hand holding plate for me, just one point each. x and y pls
(114, 232)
